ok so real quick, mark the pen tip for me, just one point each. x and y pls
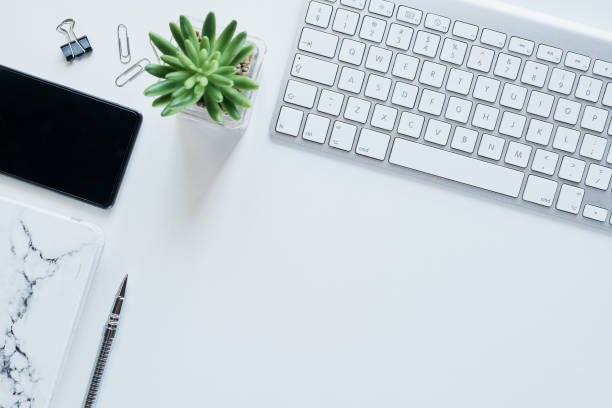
(123, 286)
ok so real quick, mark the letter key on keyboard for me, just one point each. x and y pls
(476, 97)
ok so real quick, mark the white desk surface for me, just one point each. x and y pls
(265, 276)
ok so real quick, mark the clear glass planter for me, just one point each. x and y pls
(200, 114)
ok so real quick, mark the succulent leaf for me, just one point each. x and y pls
(244, 83)
(205, 43)
(162, 100)
(173, 61)
(178, 35)
(186, 61)
(242, 55)
(179, 75)
(209, 29)
(225, 70)
(215, 93)
(231, 109)
(191, 52)
(159, 71)
(162, 88)
(213, 107)
(226, 36)
(220, 80)
(163, 45)
(236, 97)
(233, 48)
(190, 82)
(188, 31)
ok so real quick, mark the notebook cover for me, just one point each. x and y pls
(46, 264)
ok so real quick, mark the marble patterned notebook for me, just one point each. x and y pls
(46, 264)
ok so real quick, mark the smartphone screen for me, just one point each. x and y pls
(62, 139)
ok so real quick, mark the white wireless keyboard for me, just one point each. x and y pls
(495, 100)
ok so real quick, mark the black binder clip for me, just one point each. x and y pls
(75, 47)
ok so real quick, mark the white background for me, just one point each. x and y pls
(266, 276)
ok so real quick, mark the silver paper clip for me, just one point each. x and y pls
(70, 49)
(132, 72)
(123, 40)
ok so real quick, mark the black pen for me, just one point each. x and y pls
(105, 348)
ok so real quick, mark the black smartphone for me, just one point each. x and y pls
(62, 139)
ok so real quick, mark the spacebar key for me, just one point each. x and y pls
(455, 167)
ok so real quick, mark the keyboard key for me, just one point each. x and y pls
(314, 69)
(372, 144)
(603, 68)
(453, 51)
(372, 29)
(494, 38)
(561, 81)
(289, 121)
(480, 59)
(593, 147)
(404, 95)
(572, 169)
(384, 117)
(319, 14)
(316, 128)
(540, 104)
(594, 119)
(409, 15)
(508, 66)
(357, 110)
(540, 191)
(358, 4)
(465, 30)
(534, 74)
(570, 199)
(577, 61)
(351, 51)
(346, 22)
(382, 7)
(595, 213)
(486, 89)
(550, 54)
(518, 154)
(399, 36)
(512, 125)
(567, 111)
(598, 177)
(378, 87)
(300, 94)
(464, 139)
(513, 96)
(318, 42)
(437, 132)
(539, 132)
(456, 167)
(432, 74)
(521, 46)
(342, 136)
(438, 23)
(458, 110)
(330, 102)
(491, 147)
(459, 81)
(485, 117)
(589, 89)
(431, 102)
(351, 80)
(379, 59)
(410, 125)
(405, 66)
(566, 139)
(607, 99)
(426, 44)
(545, 162)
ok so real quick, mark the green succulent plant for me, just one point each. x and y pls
(201, 69)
